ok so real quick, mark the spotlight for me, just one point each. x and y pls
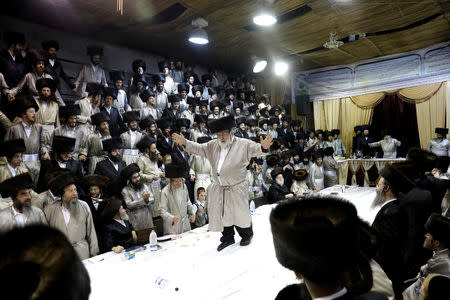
(265, 19)
(260, 65)
(198, 35)
(280, 68)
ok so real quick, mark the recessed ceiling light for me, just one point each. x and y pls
(280, 68)
(259, 66)
(265, 19)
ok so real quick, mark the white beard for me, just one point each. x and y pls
(280, 182)
(225, 144)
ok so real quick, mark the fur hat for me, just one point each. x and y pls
(443, 131)
(203, 139)
(328, 151)
(50, 44)
(157, 78)
(274, 120)
(182, 122)
(182, 87)
(173, 98)
(164, 123)
(94, 50)
(301, 175)
(63, 144)
(116, 75)
(197, 88)
(439, 227)
(23, 103)
(129, 170)
(201, 119)
(145, 143)
(69, 110)
(10, 187)
(95, 179)
(130, 116)
(386, 132)
(145, 94)
(275, 172)
(215, 103)
(206, 77)
(241, 120)
(317, 154)
(272, 160)
(11, 147)
(109, 91)
(139, 78)
(238, 104)
(203, 103)
(286, 119)
(335, 132)
(145, 123)
(225, 123)
(252, 109)
(399, 181)
(46, 82)
(111, 208)
(12, 37)
(138, 63)
(424, 160)
(262, 122)
(33, 56)
(93, 88)
(99, 118)
(229, 92)
(192, 101)
(58, 183)
(111, 144)
(252, 122)
(175, 170)
(163, 64)
(357, 128)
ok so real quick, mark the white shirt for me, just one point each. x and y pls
(223, 154)
(12, 55)
(121, 222)
(44, 105)
(52, 62)
(195, 208)
(66, 214)
(27, 128)
(62, 164)
(108, 109)
(70, 131)
(116, 166)
(334, 296)
(95, 204)
(21, 219)
(132, 138)
(440, 251)
(94, 68)
(388, 202)
(13, 170)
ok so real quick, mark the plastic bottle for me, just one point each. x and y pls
(153, 241)
(252, 207)
(165, 284)
(128, 255)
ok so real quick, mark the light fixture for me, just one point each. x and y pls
(198, 35)
(280, 68)
(265, 15)
(333, 43)
(260, 65)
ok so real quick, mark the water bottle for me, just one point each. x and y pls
(127, 255)
(153, 241)
(165, 284)
(252, 207)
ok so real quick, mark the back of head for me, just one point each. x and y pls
(438, 288)
(38, 262)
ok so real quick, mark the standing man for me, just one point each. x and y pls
(131, 137)
(440, 145)
(120, 102)
(91, 72)
(169, 85)
(115, 124)
(160, 94)
(48, 113)
(388, 144)
(228, 193)
(90, 104)
(364, 141)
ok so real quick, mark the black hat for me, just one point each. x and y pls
(252, 122)
(203, 103)
(111, 208)
(109, 91)
(139, 78)
(206, 77)
(197, 88)
(138, 63)
(58, 183)
(12, 37)
(173, 98)
(300, 175)
(164, 123)
(192, 101)
(396, 178)
(357, 128)
(211, 91)
(111, 144)
(94, 50)
(443, 131)
(317, 154)
(225, 102)
(182, 87)
(273, 110)
(129, 116)
(225, 123)
(23, 103)
(241, 120)
(238, 104)
(253, 108)
(157, 78)
(272, 160)
(116, 75)
(442, 163)
(203, 139)
(95, 179)
(200, 119)
(365, 127)
(49, 175)
(275, 172)
(69, 110)
(274, 120)
(424, 160)
(318, 131)
(33, 56)
(215, 103)
(11, 147)
(145, 143)
(296, 123)
(439, 227)
(286, 119)
(50, 44)
(175, 170)
(276, 145)
(328, 151)
(99, 118)
(305, 231)
(10, 187)
(248, 94)
(335, 132)
(145, 123)
(262, 122)
(182, 122)
(386, 132)
(63, 144)
(163, 64)
(145, 94)
(46, 82)
(94, 88)
(229, 92)
(129, 170)
(263, 111)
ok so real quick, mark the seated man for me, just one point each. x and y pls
(95, 186)
(299, 186)
(438, 240)
(21, 213)
(176, 207)
(278, 190)
(118, 233)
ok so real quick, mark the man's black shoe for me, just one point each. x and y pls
(223, 245)
(246, 241)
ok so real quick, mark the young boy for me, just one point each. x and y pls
(200, 208)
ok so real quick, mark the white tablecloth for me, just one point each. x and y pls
(193, 264)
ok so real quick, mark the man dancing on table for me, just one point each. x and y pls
(228, 193)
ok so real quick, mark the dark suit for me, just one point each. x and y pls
(179, 158)
(391, 226)
(241, 134)
(116, 124)
(168, 113)
(12, 70)
(163, 146)
(277, 193)
(115, 234)
(363, 145)
(96, 212)
(300, 292)
(355, 140)
(106, 168)
(436, 186)
(282, 132)
(50, 165)
(57, 72)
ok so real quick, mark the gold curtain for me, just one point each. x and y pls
(352, 116)
(273, 86)
(319, 115)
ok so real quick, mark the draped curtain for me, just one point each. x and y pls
(273, 86)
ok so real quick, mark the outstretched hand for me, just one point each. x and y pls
(267, 142)
(179, 139)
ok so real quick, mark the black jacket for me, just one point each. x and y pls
(106, 168)
(168, 113)
(241, 134)
(163, 146)
(57, 72)
(115, 234)
(12, 70)
(50, 165)
(116, 124)
(300, 292)
(277, 193)
(436, 186)
(363, 145)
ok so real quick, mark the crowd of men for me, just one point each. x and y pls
(108, 165)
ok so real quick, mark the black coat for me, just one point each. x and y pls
(115, 234)
(300, 292)
(277, 193)
(50, 165)
(12, 70)
(57, 72)
(436, 186)
(96, 212)
(168, 113)
(283, 132)
(163, 146)
(241, 134)
(106, 168)
(355, 143)
(116, 124)
(363, 145)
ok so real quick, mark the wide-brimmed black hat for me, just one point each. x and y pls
(99, 118)
(443, 131)
(157, 78)
(200, 119)
(23, 103)
(63, 144)
(182, 122)
(110, 91)
(140, 78)
(130, 116)
(12, 37)
(9, 148)
(252, 109)
(396, 178)
(95, 179)
(300, 175)
(203, 103)
(272, 160)
(138, 63)
(328, 151)
(46, 82)
(215, 103)
(424, 160)
(439, 227)
(58, 183)
(274, 120)
(357, 128)
(182, 87)
(145, 94)
(129, 170)
(33, 56)
(386, 132)
(206, 77)
(197, 88)
(241, 120)
(173, 98)
(335, 132)
(93, 88)
(164, 123)
(212, 91)
(252, 122)
(262, 122)
(238, 104)
(116, 75)
(145, 143)
(111, 144)
(93, 50)
(175, 170)
(145, 123)
(192, 101)
(203, 139)
(163, 64)
(225, 123)
(50, 44)
(10, 187)
(69, 110)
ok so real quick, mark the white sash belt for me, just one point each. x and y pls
(30, 157)
(134, 152)
(203, 176)
(156, 182)
(318, 180)
(329, 172)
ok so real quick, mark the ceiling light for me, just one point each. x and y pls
(280, 68)
(333, 43)
(265, 19)
(198, 35)
(259, 66)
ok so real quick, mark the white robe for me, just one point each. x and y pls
(175, 202)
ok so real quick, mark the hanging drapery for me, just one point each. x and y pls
(273, 86)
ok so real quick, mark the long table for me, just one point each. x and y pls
(193, 264)
(362, 172)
